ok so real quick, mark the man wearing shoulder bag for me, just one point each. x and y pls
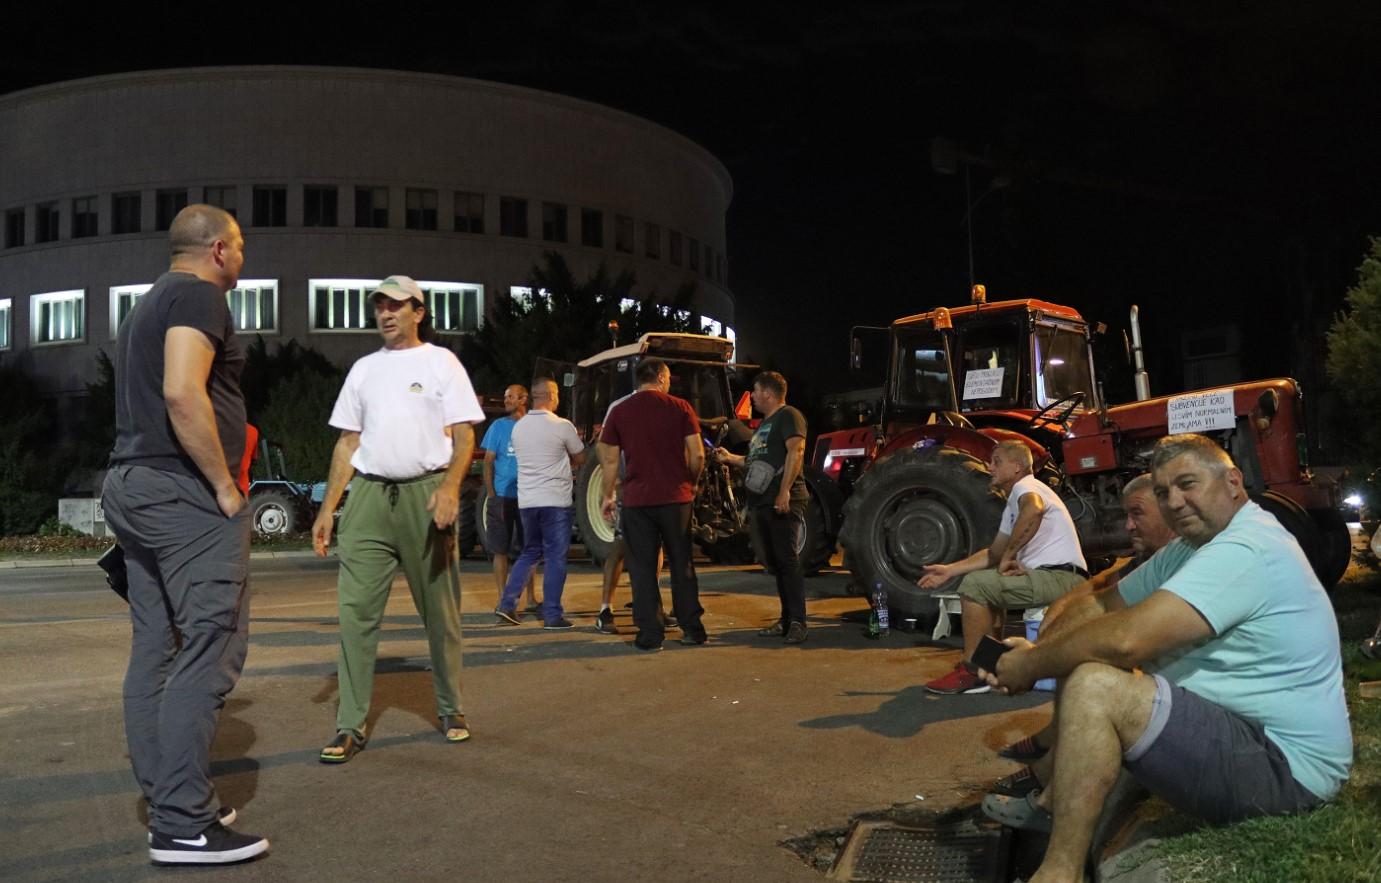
(777, 498)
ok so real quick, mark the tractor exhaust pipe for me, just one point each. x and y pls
(1142, 380)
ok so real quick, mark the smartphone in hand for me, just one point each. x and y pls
(987, 653)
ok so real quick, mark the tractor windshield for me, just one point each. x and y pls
(1062, 364)
(989, 364)
(704, 386)
(923, 371)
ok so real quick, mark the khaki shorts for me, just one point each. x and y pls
(1035, 588)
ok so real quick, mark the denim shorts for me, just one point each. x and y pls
(1207, 761)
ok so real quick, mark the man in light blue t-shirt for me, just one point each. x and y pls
(1244, 714)
(503, 533)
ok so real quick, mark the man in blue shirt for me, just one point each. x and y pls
(1244, 714)
(503, 535)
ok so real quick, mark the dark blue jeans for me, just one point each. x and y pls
(546, 535)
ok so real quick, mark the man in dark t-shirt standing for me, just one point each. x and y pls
(659, 437)
(181, 520)
(779, 509)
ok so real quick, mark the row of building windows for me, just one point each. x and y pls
(320, 208)
(332, 305)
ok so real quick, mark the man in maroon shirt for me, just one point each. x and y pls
(659, 438)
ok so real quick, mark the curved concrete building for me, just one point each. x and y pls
(339, 177)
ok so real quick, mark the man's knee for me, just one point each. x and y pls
(1122, 696)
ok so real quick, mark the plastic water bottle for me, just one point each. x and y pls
(877, 613)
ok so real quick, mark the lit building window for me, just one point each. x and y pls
(221, 197)
(623, 233)
(319, 206)
(522, 294)
(270, 206)
(124, 213)
(371, 206)
(627, 303)
(4, 323)
(122, 300)
(167, 203)
(652, 238)
(469, 212)
(47, 220)
(58, 317)
(711, 327)
(84, 217)
(254, 306)
(421, 210)
(553, 222)
(341, 304)
(454, 306)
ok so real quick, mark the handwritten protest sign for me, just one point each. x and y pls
(1201, 412)
(983, 383)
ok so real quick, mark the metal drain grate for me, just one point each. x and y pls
(883, 852)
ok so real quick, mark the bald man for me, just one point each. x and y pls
(180, 517)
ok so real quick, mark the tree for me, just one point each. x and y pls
(1354, 357)
(565, 320)
(31, 467)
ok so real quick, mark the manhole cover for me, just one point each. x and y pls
(884, 852)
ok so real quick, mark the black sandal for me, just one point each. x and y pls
(454, 722)
(775, 630)
(349, 740)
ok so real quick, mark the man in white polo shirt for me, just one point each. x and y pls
(405, 415)
(547, 448)
(1034, 559)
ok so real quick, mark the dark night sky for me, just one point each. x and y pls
(1207, 163)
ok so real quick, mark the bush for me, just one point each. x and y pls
(295, 418)
(31, 467)
(1354, 358)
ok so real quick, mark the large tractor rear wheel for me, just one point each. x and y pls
(913, 508)
(596, 534)
(1325, 541)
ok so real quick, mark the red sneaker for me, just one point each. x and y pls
(960, 680)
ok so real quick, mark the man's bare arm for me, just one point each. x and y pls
(489, 473)
(341, 473)
(187, 358)
(1086, 600)
(695, 457)
(795, 461)
(1030, 511)
(609, 477)
(444, 503)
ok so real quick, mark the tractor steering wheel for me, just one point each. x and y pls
(1058, 412)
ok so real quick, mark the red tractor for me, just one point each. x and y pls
(961, 380)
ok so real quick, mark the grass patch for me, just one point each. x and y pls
(61, 548)
(1340, 841)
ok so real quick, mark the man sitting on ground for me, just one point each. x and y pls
(1034, 559)
(1245, 714)
(1093, 597)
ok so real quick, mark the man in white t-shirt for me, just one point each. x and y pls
(1034, 560)
(405, 415)
(547, 448)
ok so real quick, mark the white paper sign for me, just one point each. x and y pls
(1201, 412)
(983, 383)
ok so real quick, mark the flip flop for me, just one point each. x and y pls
(347, 739)
(454, 722)
(1021, 813)
(1018, 784)
(1023, 749)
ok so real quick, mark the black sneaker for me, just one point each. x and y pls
(224, 816)
(559, 625)
(693, 639)
(669, 622)
(604, 622)
(506, 617)
(796, 633)
(215, 845)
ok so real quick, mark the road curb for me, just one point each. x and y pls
(91, 562)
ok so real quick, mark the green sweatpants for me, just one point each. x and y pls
(386, 526)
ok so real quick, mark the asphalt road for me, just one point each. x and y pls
(590, 760)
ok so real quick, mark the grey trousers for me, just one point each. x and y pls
(189, 608)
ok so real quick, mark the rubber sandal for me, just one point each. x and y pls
(1021, 813)
(347, 739)
(454, 722)
(1023, 749)
(775, 630)
(1018, 784)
